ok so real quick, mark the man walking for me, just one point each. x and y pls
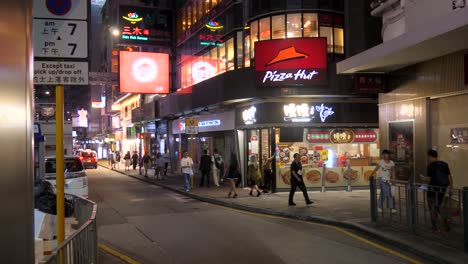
(267, 172)
(205, 168)
(218, 167)
(135, 160)
(146, 163)
(439, 178)
(297, 181)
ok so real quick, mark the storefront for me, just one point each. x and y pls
(328, 135)
(216, 131)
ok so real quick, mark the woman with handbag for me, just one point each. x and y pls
(127, 159)
(233, 175)
(254, 176)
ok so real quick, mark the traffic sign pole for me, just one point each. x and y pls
(59, 159)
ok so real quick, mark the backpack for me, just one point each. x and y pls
(218, 163)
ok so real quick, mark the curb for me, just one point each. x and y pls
(386, 238)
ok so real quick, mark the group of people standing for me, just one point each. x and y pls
(132, 160)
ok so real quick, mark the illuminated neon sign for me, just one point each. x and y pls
(214, 25)
(248, 116)
(304, 113)
(100, 104)
(132, 17)
(210, 40)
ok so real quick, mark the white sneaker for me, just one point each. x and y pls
(379, 210)
(394, 211)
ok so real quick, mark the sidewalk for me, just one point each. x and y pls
(349, 210)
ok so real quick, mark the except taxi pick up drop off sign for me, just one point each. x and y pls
(55, 72)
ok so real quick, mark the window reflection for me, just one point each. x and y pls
(278, 26)
(310, 25)
(339, 40)
(253, 37)
(230, 54)
(294, 26)
(327, 32)
(265, 28)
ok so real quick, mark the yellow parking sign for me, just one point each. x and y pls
(191, 126)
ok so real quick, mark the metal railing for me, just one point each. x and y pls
(420, 208)
(81, 246)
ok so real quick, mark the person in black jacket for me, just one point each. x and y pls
(135, 160)
(205, 168)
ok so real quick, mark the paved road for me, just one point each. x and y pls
(153, 225)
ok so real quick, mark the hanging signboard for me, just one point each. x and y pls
(191, 126)
(60, 73)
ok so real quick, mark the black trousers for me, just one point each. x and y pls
(294, 185)
(268, 178)
(203, 175)
(435, 198)
(135, 163)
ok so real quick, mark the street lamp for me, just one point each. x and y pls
(114, 31)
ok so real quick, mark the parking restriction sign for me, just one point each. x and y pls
(191, 126)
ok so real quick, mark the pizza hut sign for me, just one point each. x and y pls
(295, 62)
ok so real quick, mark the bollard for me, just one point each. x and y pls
(324, 189)
(410, 211)
(373, 203)
(349, 178)
(465, 216)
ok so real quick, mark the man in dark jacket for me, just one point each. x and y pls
(439, 178)
(205, 168)
(135, 160)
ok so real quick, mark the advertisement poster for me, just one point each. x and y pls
(401, 144)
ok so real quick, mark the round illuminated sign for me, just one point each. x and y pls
(58, 7)
(202, 70)
(145, 70)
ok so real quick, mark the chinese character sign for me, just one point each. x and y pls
(138, 24)
(306, 113)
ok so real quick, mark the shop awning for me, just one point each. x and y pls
(443, 36)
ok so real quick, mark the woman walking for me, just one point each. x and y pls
(386, 168)
(127, 159)
(254, 177)
(233, 175)
(118, 158)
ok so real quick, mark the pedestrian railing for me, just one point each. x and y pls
(420, 208)
(81, 246)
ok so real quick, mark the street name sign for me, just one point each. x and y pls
(60, 38)
(60, 73)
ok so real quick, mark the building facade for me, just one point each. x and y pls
(260, 76)
(426, 65)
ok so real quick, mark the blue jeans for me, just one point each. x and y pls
(385, 193)
(187, 181)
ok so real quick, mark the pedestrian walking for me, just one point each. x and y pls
(160, 167)
(297, 181)
(118, 158)
(233, 176)
(112, 159)
(135, 160)
(147, 163)
(439, 178)
(253, 175)
(109, 158)
(166, 162)
(186, 165)
(218, 167)
(267, 172)
(386, 168)
(128, 161)
(205, 168)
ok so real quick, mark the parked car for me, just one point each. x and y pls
(76, 180)
(89, 158)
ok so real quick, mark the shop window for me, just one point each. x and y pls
(327, 32)
(247, 51)
(338, 40)
(214, 58)
(265, 30)
(222, 59)
(294, 26)
(253, 37)
(239, 50)
(310, 24)
(214, 3)
(278, 27)
(230, 54)
(206, 6)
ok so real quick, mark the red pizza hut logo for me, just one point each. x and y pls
(296, 62)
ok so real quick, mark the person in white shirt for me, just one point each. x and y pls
(218, 167)
(186, 165)
(386, 169)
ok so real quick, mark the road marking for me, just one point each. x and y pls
(338, 229)
(137, 200)
(178, 197)
(117, 254)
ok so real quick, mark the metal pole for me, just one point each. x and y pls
(410, 207)
(140, 147)
(372, 191)
(324, 189)
(191, 156)
(59, 158)
(349, 178)
(465, 216)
